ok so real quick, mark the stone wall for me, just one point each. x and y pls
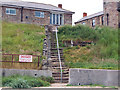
(93, 76)
(110, 8)
(34, 73)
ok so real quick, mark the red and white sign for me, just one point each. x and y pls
(25, 58)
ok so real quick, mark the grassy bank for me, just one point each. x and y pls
(103, 54)
(22, 38)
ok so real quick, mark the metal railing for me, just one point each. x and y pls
(14, 58)
(59, 54)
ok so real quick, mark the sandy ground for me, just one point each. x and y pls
(63, 85)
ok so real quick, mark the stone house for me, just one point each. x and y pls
(35, 13)
(108, 17)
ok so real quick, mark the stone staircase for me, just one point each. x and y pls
(54, 63)
(56, 71)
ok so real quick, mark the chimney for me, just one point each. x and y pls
(60, 5)
(84, 14)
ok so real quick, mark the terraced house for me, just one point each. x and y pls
(110, 16)
(35, 13)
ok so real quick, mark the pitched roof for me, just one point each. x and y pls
(34, 5)
(90, 16)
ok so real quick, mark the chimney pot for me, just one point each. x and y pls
(84, 14)
(60, 5)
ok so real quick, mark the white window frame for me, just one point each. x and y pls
(93, 23)
(9, 9)
(41, 14)
(58, 18)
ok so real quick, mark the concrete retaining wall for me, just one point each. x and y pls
(34, 73)
(93, 76)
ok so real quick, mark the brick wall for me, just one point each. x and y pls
(29, 17)
(119, 15)
(98, 21)
(0, 13)
(68, 19)
(12, 18)
(110, 8)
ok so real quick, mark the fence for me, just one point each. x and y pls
(12, 61)
(68, 43)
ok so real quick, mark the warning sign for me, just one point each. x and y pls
(25, 58)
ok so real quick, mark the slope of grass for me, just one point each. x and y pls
(102, 54)
(22, 38)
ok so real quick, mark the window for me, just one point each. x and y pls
(102, 18)
(39, 14)
(107, 19)
(93, 22)
(10, 11)
(83, 23)
(53, 18)
(50, 18)
(56, 19)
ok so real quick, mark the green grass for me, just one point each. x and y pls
(22, 38)
(103, 54)
(16, 81)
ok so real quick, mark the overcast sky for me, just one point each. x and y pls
(77, 6)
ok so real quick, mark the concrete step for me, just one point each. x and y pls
(53, 43)
(65, 69)
(58, 70)
(56, 49)
(59, 75)
(56, 57)
(59, 78)
(57, 65)
(55, 60)
(65, 72)
(56, 54)
(59, 81)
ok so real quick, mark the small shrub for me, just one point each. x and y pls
(37, 82)
(6, 81)
(48, 79)
(19, 83)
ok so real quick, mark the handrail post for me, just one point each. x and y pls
(38, 60)
(12, 58)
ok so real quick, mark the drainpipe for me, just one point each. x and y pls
(22, 14)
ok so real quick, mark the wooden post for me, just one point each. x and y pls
(12, 58)
(38, 61)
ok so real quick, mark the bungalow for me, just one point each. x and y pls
(110, 16)
(35, 13)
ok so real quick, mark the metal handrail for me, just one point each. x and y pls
(59, 54)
